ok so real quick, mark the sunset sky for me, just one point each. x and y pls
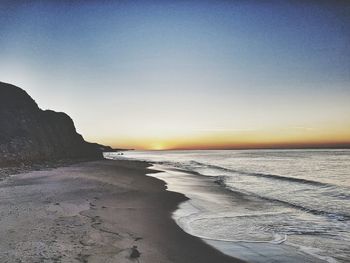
(186, 74)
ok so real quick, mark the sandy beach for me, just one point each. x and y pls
(102, 211)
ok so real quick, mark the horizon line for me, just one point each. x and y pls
(344, 147)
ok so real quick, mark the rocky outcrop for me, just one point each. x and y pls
(30, 135)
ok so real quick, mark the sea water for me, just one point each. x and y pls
(262, 205)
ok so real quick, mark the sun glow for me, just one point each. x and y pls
(158, 146)
(291, 137)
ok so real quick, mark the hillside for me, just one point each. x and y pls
(30, 135)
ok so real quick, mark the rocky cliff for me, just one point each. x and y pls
(30, 135)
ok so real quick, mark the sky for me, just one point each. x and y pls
(186, 74)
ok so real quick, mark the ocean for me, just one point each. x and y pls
(261, 205)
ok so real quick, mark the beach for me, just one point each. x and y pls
(100, 211)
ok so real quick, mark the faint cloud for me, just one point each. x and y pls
(226, 130)
(302, 128)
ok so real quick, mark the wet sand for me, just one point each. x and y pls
(209, 199)
(103, 211)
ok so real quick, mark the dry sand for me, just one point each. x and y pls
(103, 211)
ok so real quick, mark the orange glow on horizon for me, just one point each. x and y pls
(224, 146)
(278, 138)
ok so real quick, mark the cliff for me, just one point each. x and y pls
(31, 135)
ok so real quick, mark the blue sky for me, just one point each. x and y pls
(128, 71)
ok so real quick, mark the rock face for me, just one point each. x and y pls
(30, 135)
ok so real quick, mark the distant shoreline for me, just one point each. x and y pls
(243, 149)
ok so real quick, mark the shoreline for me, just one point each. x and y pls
(204, 194)
(100, 211)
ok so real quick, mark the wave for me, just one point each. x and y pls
(270, 176)
(193, 166)
(337, 216)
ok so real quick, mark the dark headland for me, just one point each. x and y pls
(92, 211)
(31, 135)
